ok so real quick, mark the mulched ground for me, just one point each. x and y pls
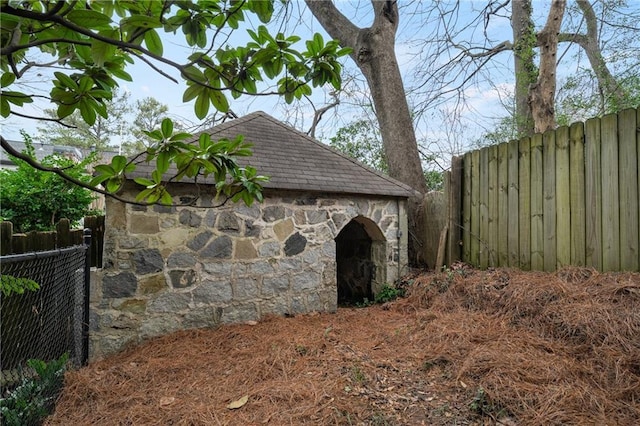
(465, 347)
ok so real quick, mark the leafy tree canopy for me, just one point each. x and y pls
(91, 43)
(361, 141)
(149, 115)
(34, 200)
(74, 131)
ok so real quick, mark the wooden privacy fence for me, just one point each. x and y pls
(566, 197)
(62, 237)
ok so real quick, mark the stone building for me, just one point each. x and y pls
(329, 231)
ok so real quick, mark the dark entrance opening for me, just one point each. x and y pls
(354, 266)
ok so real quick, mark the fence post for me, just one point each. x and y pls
(6, 238)
(87, 296)
(63, 227)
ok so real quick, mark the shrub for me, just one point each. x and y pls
(34, 399)
(35, 200)
(388, 293)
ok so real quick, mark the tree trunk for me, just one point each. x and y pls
(543, 94)
(374, 53)
(611, 90)
(526, 73)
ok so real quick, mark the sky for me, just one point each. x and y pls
(148, 83)
(433, 129)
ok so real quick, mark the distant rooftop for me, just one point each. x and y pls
(42, 150)
(295, 161)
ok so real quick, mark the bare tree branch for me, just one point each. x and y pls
(56, 120)
(318, 113)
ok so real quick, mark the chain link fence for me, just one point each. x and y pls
(46, 322)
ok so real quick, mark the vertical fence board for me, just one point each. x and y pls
(570, 196)
(6, 238)
(563, 199)
(549, 202)
(30, 241)
(537, 206)
(96, 224)
(577, 192)
(493, 206)
(629, 237)
(20, 243)
(44, 240)
(443, 245)
(610, 194)
(91, 222)
(466, 209)
(484, 208)
(503, 205)
(513, 240)
(455, 210)
(475, 208)
(75, 236)
(97, 241)
(524, 203)
(64, 237)
(593, 194)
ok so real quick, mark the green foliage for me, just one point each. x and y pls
(361, 141)
(435, 180)
(208, 157)
(357, 375)
(34, 200)
(481, 405)
(580, 98)
(149, 115)
(75, 131)
(365, 303)
(34, 399)
(13, 285)
(505, 130)
(92, 43)
(388, 293)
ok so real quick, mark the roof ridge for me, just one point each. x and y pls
(229, 124)
(296, 161)
(335, 151)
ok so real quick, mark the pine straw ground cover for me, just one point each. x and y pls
(464, 347)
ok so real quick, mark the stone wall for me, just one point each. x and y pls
(168, 268)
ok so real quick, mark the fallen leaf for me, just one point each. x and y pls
(238, 403)
(463, 384)
(166, 400)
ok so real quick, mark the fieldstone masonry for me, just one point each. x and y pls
(175, 268)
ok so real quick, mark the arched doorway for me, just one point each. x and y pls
(360, 261)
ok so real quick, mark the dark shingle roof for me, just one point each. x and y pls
(295, 161)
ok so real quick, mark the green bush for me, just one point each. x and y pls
(388, 293)
(34, 399)
(34, 200)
